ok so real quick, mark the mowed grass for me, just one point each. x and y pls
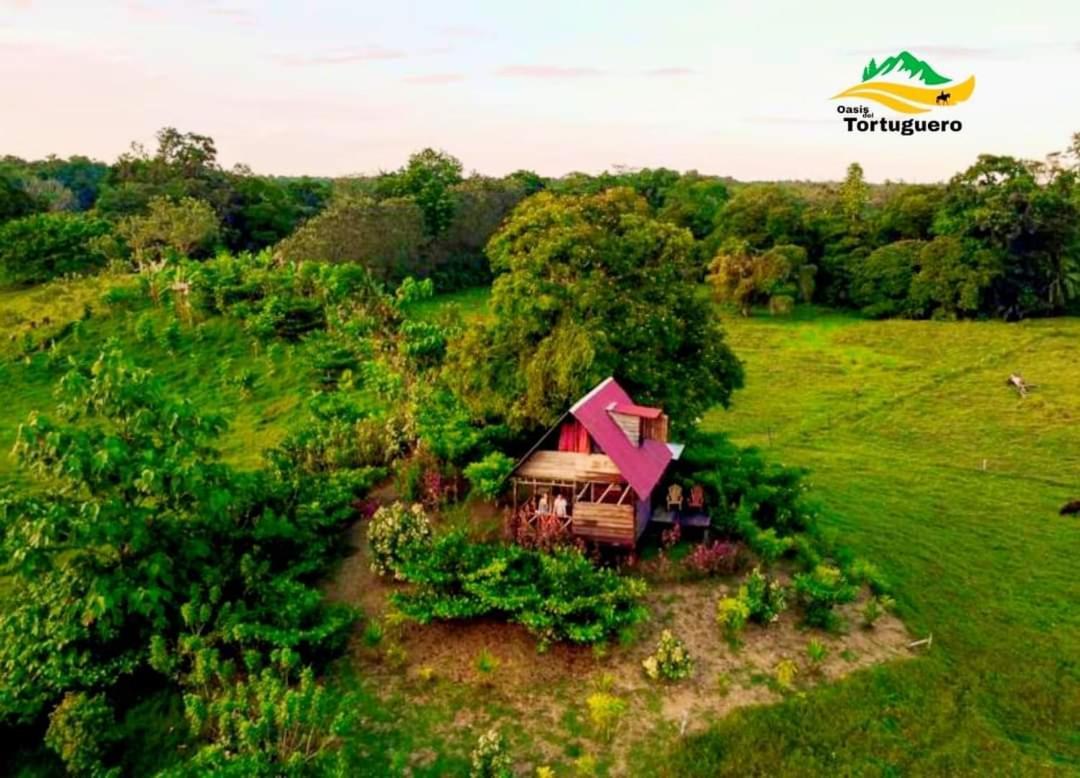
(925, 462)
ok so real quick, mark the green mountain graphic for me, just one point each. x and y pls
(905, 61)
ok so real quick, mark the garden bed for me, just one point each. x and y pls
(475, 667)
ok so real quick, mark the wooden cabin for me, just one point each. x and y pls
(604, 458)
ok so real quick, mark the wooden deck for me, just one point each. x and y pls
(686, 518)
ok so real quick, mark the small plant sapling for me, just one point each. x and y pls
(605, 711)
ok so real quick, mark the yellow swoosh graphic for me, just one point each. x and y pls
(909, 99)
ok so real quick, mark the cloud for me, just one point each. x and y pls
(345, 56)
(547, 71)
(672, 71)
(144, 12)
(435, 78)
(461, 31)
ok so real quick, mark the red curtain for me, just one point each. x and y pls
(574, 437)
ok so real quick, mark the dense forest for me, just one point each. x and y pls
(163, 605)
(1000, 239)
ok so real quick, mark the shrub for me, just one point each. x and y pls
(816, 651)
(768, 545)
(267, 725)
(786, 672)
(396, 534)
(765, 597)
(745, 493)
(716, 558)
(876, 607)
(861, 571)
(820, 591)
(732, 613)
(605, 711)
(556, 596)
(488, 475)
(81, 729)
(489, 758)
(46, 245)
(671, 661)
(487, 663)
(781, 304)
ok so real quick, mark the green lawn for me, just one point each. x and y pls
(922, 460)
(926, 463)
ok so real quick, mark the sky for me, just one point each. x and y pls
(338, 88)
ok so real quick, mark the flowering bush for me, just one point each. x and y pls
(395, 534)
(822, 590)
(716, 558)
(732, 614)
(765, 597)
(671, 661)
(489, 758)
(670, 537)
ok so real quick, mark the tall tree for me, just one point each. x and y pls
(586, 287)
(1028, 213)
(427, 177)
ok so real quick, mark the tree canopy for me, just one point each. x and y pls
(590, 286)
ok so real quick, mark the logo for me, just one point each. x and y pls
(908, 85)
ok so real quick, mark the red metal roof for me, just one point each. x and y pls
(642, 466)
(644, 411)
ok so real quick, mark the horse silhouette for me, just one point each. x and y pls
(943, 97)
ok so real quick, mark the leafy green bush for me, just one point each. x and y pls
(146, 552)
(820, 591)
(556, 596)
(81, 729)
(273, 721)
(765, 597)
(671, 661)
(397, 535)
(744, 492)
(876, 607)
(488, 475)
(46, 245)
(732, 613)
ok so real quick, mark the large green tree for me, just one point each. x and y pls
(586, 287)
(1028, 213)
(427, 178)
(40, 247)
(141, 559)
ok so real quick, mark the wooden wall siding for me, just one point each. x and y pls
(630, 425)
(655, 429)
(568, 466)
(604, 522)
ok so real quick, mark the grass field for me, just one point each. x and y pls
(925, 462)
(922, 460)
